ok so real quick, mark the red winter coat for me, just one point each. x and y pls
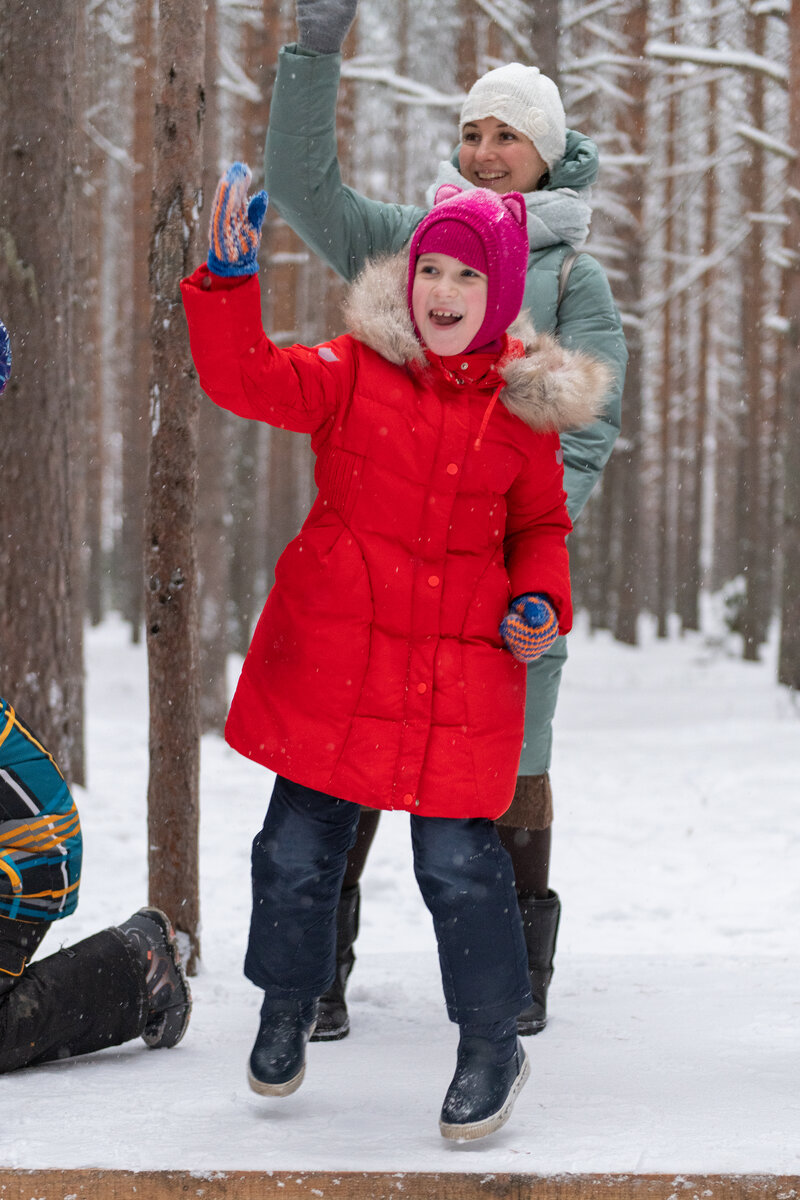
(376, 672)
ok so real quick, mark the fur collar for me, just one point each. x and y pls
(547, 387)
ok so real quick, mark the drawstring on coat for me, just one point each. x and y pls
(487, 415)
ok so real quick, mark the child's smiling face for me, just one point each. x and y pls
(448, 301)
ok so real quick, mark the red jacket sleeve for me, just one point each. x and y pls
(241, 370)
(537, 525)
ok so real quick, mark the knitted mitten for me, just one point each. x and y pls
(323, 24)
(5, 356)
(235, 231)
(530, 627)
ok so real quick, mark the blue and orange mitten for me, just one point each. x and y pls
(530, 627)
(235, 232)
(5, 356)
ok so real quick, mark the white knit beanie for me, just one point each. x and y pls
(525, 99)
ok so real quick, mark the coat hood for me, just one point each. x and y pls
(549, 388)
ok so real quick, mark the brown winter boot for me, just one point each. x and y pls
(540, 923)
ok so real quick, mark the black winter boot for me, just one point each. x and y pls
(540, 923)
(150, 935)
(484, 1088)
(278, 1058)
(333, 1022)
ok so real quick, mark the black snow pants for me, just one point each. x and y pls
(83, 998)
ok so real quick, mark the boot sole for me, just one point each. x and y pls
(330, 1035)
(278, 1089)
(479, 1129)
(528, 1028)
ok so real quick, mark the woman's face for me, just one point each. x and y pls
(495, 156)
(448, 300)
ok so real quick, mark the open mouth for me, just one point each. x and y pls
(490, 176)
(442, 319)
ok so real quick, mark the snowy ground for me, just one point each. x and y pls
(674, 1041)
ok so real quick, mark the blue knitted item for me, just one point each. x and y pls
(5, 357)
(530, 627)
(235, 232)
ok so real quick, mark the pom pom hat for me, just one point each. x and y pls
(526, 100)
(488, 233)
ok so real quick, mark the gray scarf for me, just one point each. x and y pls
(554, 215)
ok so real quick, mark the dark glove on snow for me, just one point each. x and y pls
(323, 24)
(5, 356)
(530, 627)
(235, 232)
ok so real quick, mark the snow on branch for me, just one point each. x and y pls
(604, 60)
(750, 134)
(699, 267)
(117, 153)
(736, 59)
(772, 8)
(591, 10)
(494, 13)
(407, 91)
(235, 80)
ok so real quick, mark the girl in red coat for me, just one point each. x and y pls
(387, 668)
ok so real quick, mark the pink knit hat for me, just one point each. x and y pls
(486, 232)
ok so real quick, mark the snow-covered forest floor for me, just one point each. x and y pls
(674, 1040)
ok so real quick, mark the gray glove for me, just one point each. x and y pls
(323, 24)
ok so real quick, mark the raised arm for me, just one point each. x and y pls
(301, 168)
(238, 367)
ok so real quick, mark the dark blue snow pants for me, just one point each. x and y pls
(466, 881)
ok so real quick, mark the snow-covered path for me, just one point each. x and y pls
(674, 1042)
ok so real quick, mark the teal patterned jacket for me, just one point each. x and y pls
(40, 833)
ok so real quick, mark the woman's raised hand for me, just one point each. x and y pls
(323, 24)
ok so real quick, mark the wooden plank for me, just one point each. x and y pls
(399, 1185)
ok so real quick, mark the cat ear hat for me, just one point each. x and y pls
(488, 233)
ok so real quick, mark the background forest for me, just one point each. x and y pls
(122, 489)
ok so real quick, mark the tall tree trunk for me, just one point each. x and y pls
(170, 552)
(89, 448)
(706, 366)
(665, 570)
(41, 647)
(626, 461)
(540, 26)
(753, 492)
(135, 425)
(212, 533)
(789, 651)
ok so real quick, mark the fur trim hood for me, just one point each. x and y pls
(549, 388)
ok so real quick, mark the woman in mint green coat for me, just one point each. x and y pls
(513, 138)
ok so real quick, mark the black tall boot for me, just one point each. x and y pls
(333, 1022)
(540, 922)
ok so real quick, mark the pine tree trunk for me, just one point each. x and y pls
(789, 651)
(41, 646)
(540, 26)
(170, 551)
(134, 416)
(753, 491)
(213, 543)
(90, 443)
(668, 356)
(626, 460)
